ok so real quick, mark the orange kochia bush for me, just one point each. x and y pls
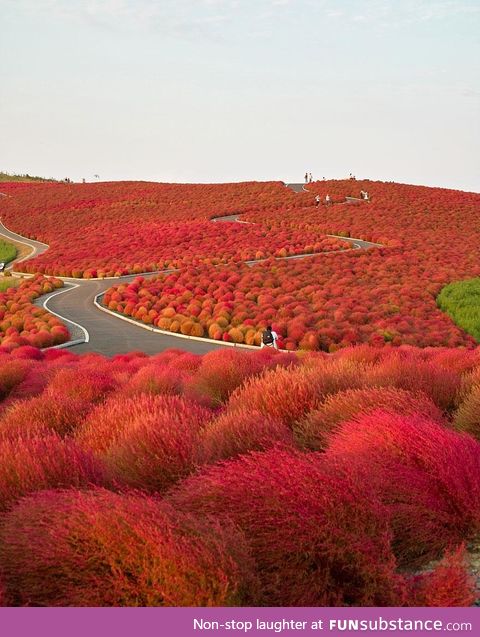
(23, 323)
(323, 303)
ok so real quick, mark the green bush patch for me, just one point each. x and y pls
(8, 283)
(461, 301)
(8, 251)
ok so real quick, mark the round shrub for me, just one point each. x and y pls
(155, 379)
(315, 430)
(220, 372)
(146, 441)
(12, 373)
(42, 415)
(238, 432)
(79, 381)
(407, 371)
(97, 548)
(287, 394)
(318, 540)
(467, 416)
(28, 465)
(427, 475)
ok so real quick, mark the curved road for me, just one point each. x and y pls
(96, 331)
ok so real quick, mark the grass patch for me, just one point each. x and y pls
(8, 283)
(461, 301)
(8, 251)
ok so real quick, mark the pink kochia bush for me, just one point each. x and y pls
(105, 549)
(317, 539)
(426, 474)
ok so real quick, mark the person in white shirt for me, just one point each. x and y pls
(327, 200)
(269, 338)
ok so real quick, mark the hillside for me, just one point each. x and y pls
(385, 295)
(12, 177)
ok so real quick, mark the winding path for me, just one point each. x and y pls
(102, 331)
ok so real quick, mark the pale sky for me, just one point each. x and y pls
(232, 90)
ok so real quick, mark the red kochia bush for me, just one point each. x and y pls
(97, 548)
(42, 463)
(155, 379)
(411, 373)
(32, 385)
(286, 394)
(81, 382)
(147, 442)
(238, 432)
(42, 415)
(318, 539)
(12, 373)
(448, 584)
(427, 475)
(28, 352)
(317, 427)
(221, 372)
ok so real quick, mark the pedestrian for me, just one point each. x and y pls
(306, 178)
(310, 178)
(327, 200)
(317, 200)
(269, 338)
(365, 196)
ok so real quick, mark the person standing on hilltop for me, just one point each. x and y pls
(306, 178)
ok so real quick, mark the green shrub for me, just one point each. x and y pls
(8, 251)
(8, 283)
(461, 301)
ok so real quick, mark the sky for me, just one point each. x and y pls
(234, 90)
